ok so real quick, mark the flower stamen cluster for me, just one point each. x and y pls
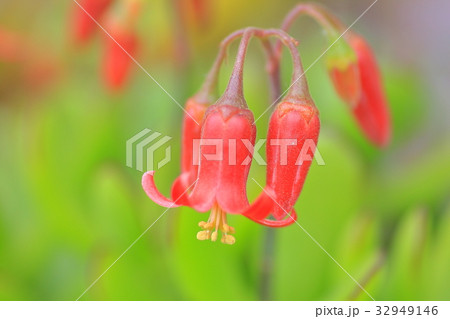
(216, 221)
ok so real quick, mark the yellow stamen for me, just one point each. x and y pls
(228, 239)
(201, 224)
(203, 235)
(217, 221)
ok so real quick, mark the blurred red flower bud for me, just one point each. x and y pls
(201, 12)
(119, 47)
(25, 63)
(354, 72)
(371, 111)
(83, 16)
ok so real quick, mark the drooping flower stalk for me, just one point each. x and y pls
(207, 93)
(354, 72)
(272, 70)
(341, 59)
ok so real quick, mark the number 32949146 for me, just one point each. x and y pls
(406, 310)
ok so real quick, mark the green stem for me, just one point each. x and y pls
(267, 264)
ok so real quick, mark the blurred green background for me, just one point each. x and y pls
(69, 205)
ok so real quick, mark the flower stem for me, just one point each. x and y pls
(329, 23)
(299, 86)
(332, 26)
(207, 92)
(274, 73)
(234, 93)
(267, 264)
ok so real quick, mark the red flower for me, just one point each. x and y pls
(83, 25)
(117, 64)
(193, 116)
(371, 111)
(364, 93)
(291, 142)
(219, 183)
(225, 154)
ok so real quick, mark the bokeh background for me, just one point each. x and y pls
(69, 205)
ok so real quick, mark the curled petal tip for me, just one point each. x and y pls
(262, 206)
(148, 184)
(290, 219)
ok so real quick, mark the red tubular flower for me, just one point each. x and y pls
(117, 64)
(193, 117)
(371, 111)
(83, 26)
(225, 158)
(221, 182)
(192, 123)
(291, 142)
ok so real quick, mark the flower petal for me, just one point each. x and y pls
(279, 223)
(238, 139)
(291, 142)
(192, 128)
(180, 189)
(261, 207)
(150, 189)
